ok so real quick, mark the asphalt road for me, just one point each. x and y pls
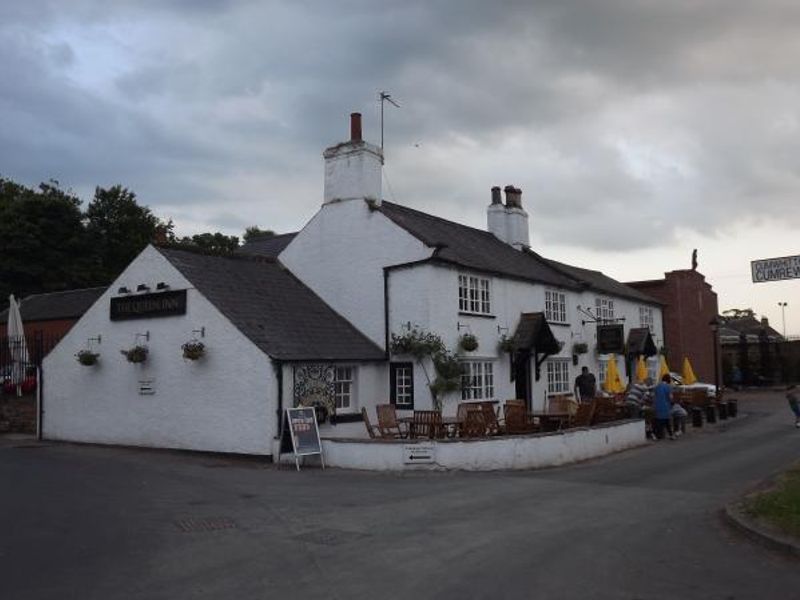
(87, 522)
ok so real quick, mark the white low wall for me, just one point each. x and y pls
(499, 453)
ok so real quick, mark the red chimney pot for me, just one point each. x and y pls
(355, 127)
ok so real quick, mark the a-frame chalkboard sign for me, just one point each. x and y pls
(300, 434)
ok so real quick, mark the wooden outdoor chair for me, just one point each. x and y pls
(427, 424)
(372, 431)
(605, 410)
(562, 403)
(517, 419)
(474, 425)
(584, 414)
(493, 426)
(388, 425)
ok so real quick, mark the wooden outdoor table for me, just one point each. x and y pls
(450, 425)
(560, 419)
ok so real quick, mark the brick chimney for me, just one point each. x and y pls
(353, 168)
(508, 222)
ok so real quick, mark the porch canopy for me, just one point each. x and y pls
(640, 342)
(534, 337)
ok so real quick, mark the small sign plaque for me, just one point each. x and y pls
(143, 306)
(775, 269)
(414, 454)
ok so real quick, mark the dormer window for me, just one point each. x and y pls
(474, 294)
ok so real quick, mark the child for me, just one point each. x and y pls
(793, 396)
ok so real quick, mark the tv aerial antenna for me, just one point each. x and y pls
(385, 97)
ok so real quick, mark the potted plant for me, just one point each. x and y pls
(87, 358)
(193, 350)
(137, 354)
(468, 342)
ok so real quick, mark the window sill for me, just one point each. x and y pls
(558, 323)
(478, 315)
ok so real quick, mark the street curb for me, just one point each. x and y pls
(736, 518)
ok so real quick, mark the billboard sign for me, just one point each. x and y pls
(775, 269)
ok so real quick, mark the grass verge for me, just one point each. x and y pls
(780, 506)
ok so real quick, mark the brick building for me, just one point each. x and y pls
(690, 304)
(48, 317)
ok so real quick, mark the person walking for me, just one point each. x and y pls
(662, 407)
(793, 396)
(585, 386)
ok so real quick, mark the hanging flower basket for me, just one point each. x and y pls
(580, 348)
(137, 354)
(505, 344)
(87, 358)
(468, 342)
(193, 350)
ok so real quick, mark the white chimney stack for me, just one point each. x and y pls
(353, 168)
(509, 222)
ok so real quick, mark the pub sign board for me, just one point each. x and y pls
(610, 339)
(300, 426)
(775, 269)
(145, 306)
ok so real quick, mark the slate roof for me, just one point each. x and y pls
(603, 283)
(641, 342)
(481, 250)
(750, 326)
(269, 245)
(69, 304)
(273, 308)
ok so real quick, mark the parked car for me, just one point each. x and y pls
(710, 388)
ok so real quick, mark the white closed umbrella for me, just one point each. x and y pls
(16, 341)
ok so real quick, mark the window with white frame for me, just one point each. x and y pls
(604, 309)
(555, 306)
(401, 377)
(602, 369)
(646, 317)
(474, 294)
(558, 376)
(477, 380)
(344, 388)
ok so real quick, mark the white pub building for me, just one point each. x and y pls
(309, 317)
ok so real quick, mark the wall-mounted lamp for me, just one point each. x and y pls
(162, 286)
(142, 287)
(123, 290)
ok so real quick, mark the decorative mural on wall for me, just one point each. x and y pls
(314, 386)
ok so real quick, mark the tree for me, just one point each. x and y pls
(45, 247)
(254, 232)
(213, 243)
(119, 229)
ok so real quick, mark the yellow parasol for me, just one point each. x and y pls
(663, 368)
(613, 384)
(688, 374)
(641, 370)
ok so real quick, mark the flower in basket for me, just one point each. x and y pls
(87, 358)
(468, 342)
(137, 354)
(193, 350)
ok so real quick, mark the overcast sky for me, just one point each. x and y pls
(637, 130)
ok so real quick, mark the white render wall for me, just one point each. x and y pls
(340, 254)
(427, 296)
(225, 402)
(503, 453)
